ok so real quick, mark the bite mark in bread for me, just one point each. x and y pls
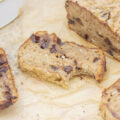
(46, 57)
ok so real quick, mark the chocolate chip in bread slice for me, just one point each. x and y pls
(46, 57)
(97, 22)
(8, 92)
(110, 104)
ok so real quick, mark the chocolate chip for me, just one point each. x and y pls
(71, 21)
(54, 67)
(8, 95)
(59, 42)
(76, 2)
(68, 69)
(35, 38)
(7, 104)
(66, 5)
(3, 69)
(78, 68)
(14, 97)
(75, 62)
(86, 36)
(8, 88)
(79, 21)
(57, 56)
(110, 52)
(53, 49)
(108, 41)
(96, 59)
(44, 41)
(44, 45)
(2, 61)
(115, 49)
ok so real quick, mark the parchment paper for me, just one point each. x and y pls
(39, 100)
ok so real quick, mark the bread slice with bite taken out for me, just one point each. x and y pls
(46, 57)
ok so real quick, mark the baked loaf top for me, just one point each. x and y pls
(46, 57)
(8, 92)
(110, 105)
(106, 10)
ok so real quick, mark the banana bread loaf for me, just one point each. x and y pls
(97, 21)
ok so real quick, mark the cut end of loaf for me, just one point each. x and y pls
(92, 27)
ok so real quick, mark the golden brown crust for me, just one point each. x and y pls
(95, 17)
(10, 92)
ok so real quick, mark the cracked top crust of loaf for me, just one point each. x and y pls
(8, 92)
(106, 10)
(110, 105)
(46, 57)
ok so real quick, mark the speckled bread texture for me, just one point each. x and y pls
(110, 105)
(8, 92)
(46, 57)
(98, 21)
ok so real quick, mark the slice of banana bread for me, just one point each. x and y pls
(8, 92)
(48, 58)
(110, 105)
(97, 21)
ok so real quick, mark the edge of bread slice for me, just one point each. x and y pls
(8, 91)
(46, 57)
(110, 104)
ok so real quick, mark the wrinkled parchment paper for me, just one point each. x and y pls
(40, 100)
